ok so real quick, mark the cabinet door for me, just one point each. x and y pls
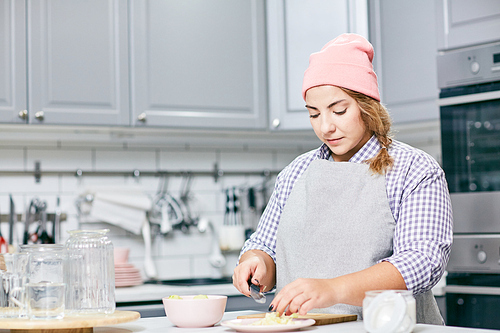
(463, 23)
(198, 63)
(12, 61)
(78, 62)
(404, 37)
(296, 29)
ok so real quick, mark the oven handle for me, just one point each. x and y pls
(452, 289)
(464, 99)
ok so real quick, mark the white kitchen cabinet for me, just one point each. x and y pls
(465, 23)
(12, 61)
(78, 62)
(198, 64)
(295, 29)
(403, 34)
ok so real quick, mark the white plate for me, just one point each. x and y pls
(245, 325)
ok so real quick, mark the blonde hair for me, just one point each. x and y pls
(378, 122)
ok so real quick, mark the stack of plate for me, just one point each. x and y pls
(127, 275)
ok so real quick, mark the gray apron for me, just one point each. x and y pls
(337, 221)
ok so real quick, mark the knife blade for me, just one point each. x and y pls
(12, 220)
(56, 226)
(29, 214)
(256, 294)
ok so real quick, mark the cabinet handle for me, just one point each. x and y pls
(23, 114)
(276, 122)
(39, 115)
(142, 117)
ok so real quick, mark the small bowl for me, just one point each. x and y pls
(189, 312)
(121, 255)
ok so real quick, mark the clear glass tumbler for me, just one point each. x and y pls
(12, 285)
(46, 262)
(90, 276)
(46, 270)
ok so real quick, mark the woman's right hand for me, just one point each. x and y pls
(257, 266)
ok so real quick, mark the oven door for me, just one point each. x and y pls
(473, 308)
(473, 300)
(470, 137)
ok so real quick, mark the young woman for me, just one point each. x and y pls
(362, 212)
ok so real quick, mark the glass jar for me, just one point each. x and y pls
(45, 272)
(46, 262)
(91, 272)
(389, 311)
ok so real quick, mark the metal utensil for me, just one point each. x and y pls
(4, 247)
(255, 293)
(30, 213)
(12, 220)
(44, 236)
(56, 226)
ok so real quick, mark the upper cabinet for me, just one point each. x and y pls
(198, 63)
(403, 34)
(465, 23)
(78, 62)
(295, 29)
(12, 62)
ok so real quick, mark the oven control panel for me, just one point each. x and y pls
(469, 66)
(475, 253)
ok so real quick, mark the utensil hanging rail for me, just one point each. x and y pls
(216, 173)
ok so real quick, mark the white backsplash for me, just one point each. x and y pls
(178, 255)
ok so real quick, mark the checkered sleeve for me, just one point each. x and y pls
(264, 238)
(424, 225)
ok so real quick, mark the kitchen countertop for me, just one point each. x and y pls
(162, 324)
(155, 292)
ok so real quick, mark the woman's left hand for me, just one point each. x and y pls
(303, 295)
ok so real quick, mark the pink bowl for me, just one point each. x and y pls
(121, 255)
(189, 312)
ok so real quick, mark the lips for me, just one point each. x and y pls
(334, 141)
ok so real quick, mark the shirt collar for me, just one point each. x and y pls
(369, 150)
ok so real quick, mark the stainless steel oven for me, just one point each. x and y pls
(469, 82)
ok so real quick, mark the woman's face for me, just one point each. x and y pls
(336, 120)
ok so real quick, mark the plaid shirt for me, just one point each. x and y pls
(419, 200)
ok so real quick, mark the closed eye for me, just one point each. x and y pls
(340, 112)
(314, 115)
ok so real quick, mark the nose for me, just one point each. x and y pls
(327, 125)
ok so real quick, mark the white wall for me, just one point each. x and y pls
(178, 255)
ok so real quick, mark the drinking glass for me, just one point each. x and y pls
(12, 286)
(91, 272)
(46, 262)
(45, 300)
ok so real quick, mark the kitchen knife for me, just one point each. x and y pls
(255, 293)
(29, 213)
(44, 236)
(56, 226)
(12, 220)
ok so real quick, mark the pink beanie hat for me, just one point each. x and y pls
(345, 61)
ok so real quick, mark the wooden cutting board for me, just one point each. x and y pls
(69, 324)
(321, 318)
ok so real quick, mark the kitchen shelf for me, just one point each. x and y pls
(20, 217)
(216, 173)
